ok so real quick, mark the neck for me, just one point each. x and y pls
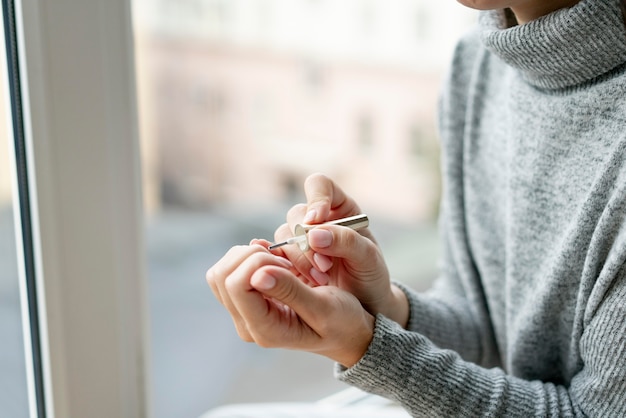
(532, 10)
(566, 48)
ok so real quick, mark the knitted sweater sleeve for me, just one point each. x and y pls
(429, 381)
(447, 362)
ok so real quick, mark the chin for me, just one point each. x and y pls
(485, 4)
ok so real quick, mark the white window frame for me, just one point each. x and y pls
(80, 123)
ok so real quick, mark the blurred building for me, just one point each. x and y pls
(241, 99)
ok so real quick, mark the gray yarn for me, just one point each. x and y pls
(528, 316)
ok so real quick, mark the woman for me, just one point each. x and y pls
(528, 316)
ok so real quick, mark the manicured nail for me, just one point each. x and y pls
(310, 216)
(323, 262)
(320, 238)
(320, 278)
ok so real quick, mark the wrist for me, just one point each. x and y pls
(355, 346)
(397, 307)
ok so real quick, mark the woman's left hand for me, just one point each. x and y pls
(273, 307)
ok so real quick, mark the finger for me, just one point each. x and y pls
(326, 200)
(302, 261)
(217, 274)
(239, 279)
(224, 267)
(262, 242)
(311, 265)
(281, 253)
(237, 266)
(281, 286)
(296, 214)
(323, 320)
(273, 325)
(317, 318)
(358, 253)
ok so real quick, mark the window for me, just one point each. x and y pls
(95, 287)
(80, 154)
(280, 83)
(13, 374)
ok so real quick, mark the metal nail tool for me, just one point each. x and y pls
(354, 222)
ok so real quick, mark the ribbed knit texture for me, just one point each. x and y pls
(561, 49)
(528, 316)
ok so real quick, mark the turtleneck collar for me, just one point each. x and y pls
(564, 48)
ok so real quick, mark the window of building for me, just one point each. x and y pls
(365, 133)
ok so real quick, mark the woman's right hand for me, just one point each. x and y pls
(340, 256)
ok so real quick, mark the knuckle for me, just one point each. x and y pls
(230, 284)
(349, 239)
(242, 331)
(245, 336)
(214, 275)
(263, 342)
(209, 276)
(223, 267)
(370, 250)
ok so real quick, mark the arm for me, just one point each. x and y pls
(430, 381)
(352, 261)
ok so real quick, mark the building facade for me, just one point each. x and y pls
(241, 99)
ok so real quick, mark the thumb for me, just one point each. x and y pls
(282, 286)
(325, 196)
(356, 248)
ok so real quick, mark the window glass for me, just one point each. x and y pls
(13, 389)
(239, 101)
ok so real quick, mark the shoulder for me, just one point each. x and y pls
(463, 71)
(466, 52)
(472, 64)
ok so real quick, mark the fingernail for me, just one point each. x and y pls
(265, 282)
(320, 238)
(310, 216)
(320, 278)
(323, 262)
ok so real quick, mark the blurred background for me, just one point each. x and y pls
(13, 393)
(239, 101)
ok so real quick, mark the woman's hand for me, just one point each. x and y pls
(271, 306)
(339, 256)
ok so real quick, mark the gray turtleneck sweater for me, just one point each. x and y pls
(528, 316)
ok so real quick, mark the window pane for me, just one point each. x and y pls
(13, 389)
(239, 101)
